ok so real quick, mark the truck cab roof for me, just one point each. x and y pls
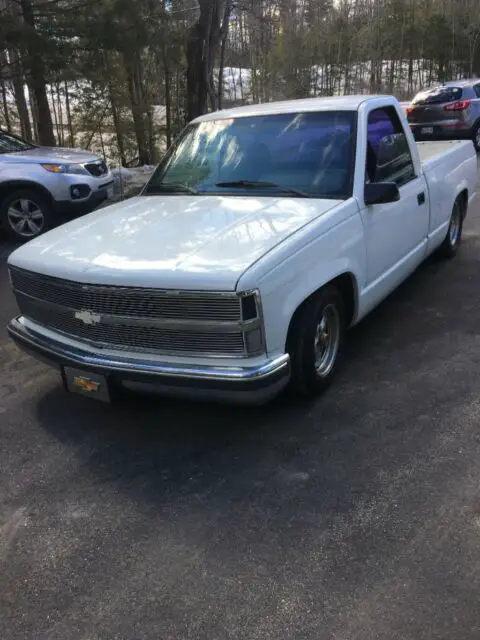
(334, 103)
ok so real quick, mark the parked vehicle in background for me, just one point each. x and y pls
(263, 235)
(449, 111)
(41, 187)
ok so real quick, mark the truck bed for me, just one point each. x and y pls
(434, 153)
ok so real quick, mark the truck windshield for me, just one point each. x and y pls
(12, 144)
(307, 154)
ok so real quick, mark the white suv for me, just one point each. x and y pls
(41, 187)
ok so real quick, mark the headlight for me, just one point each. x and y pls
(73, 169)
(252, 320)
(76, 169)
(250, 305)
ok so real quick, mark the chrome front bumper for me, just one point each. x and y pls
(244, 384)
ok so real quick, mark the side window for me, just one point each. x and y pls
(476, 88)
(388, 154)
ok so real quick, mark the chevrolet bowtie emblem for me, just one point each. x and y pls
(88, 317)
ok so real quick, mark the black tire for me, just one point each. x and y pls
(307, 379)
(476, 137)
(35, 208)
(449, 247)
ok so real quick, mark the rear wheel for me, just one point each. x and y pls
(316, 341)
(448, 249)
(25, 214)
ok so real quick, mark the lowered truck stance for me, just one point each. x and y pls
(264, 234)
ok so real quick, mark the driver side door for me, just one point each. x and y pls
(396, 233)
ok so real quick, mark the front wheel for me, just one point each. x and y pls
(25, 214)
(316, 341)
(449, 247)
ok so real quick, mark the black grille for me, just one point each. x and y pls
(126, 301)
(124, 336)
(97, 169)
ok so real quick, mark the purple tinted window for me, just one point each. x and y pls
(388, 153)
(380, 126)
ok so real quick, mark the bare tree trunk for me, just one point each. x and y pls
(101, 140)
(69, 115)
(137, 111)
(202, 46)
(167, 86)
(151, 137)
(223, 44)
(19, 93)
(55, 117)
(60, 115)
(147, 111)
(168, 101)
(37, 81)
(115, 114)
(33, 110)
(6, 113)
(391, 77)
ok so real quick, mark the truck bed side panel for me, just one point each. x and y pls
(449, 169)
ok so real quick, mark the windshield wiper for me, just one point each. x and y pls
(258, 184)
(171, 187)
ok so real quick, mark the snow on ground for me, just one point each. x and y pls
(127, 180)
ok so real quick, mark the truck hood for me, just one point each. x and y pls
(56, 155)
(171, 242)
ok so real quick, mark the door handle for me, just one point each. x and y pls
(421, 198)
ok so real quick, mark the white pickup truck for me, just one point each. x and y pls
(265, 233)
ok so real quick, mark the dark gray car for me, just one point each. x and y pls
(449, 111)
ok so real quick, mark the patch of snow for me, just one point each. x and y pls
(127, 179)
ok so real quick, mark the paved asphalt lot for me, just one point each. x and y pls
(356, 517)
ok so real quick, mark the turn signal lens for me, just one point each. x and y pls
(54, 168)
(253, 341)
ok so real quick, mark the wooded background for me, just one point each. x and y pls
(124, 76)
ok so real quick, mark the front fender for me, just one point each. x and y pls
(339, 251)
(9, 181)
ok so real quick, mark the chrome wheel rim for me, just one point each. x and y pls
(25, 217)
(327, 340)
(454, 230)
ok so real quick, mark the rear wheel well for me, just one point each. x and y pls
(463, 197)
(345, 283)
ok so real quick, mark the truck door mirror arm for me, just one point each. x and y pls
(381, 193)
